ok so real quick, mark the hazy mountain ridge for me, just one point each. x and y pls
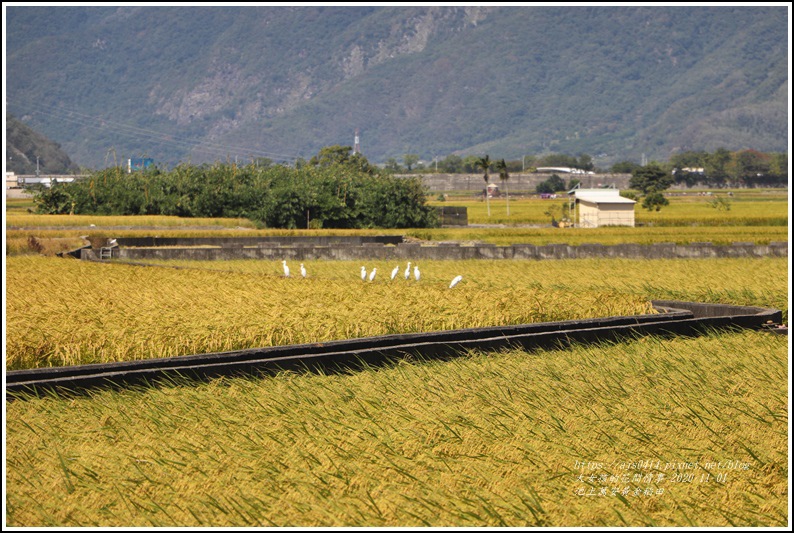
(285, 81)
(23, 146)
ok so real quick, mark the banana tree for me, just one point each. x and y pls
(501, 166)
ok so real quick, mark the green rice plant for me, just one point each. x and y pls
(677, 432)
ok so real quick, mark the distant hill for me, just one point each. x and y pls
(23, 145)
(215, 83)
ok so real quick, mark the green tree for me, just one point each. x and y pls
(553, 184)
(585, 162)
(651, 180)
(689, 159)
(484, 164)
(558, 160)
(504, 175)
(452, 164)
(748, 166)
(716, 166)
(332, 155)
(55, 200)
(470, 164)
(528, 162)
(624, 167)
(778, 165)
(654, 201)
(392, 165)
(409, 160)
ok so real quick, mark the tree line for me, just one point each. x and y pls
(721, 168)
(333, 190)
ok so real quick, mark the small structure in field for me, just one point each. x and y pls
(601, 207)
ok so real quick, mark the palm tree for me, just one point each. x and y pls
(501, 166)
(484, 163)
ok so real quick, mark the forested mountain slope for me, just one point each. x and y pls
(209, 83)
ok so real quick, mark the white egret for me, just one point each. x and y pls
(408, 271)
(286, 269)
(372, 274)
(395, 271)
(363, 274)
(416, 273)
(455, 281)
(303, 270)
(112, 242)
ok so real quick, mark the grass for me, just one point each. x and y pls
(484, 440)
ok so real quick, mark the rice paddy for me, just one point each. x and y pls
(65, 312)
(687, 208)
(675, 432)
(688, 432)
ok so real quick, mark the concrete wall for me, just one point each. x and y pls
(449, 251)
(519, 183)
(272, 241)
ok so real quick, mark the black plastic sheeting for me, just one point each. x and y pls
(673, 318)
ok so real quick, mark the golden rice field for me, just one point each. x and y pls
(30, 220)
(51, 242)
(65, 311)
(677, 432)
(767, 207)
(758, 216)
(688, 432)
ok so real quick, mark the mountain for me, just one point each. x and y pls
(24, 146)
(207, 83)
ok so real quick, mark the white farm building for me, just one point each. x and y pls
(601, 207)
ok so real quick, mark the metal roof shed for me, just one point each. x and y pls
(603, 207)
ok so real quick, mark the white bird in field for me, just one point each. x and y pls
(395, 271)
(112, 242)
(372, 274)
(408, 271)
(455, 281)
(286, 269)
(303, 270)
(363, 274)
(416, 273)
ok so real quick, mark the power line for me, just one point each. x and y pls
(76, 117)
